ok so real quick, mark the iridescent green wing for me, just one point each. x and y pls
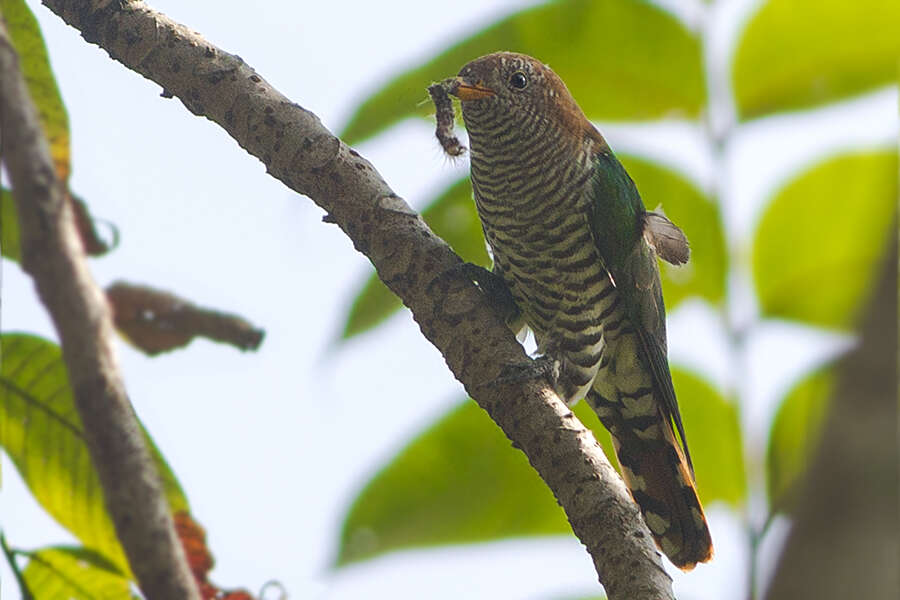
(628, 237)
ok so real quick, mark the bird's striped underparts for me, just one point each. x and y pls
(573, 243)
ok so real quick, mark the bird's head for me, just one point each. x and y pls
(512, 84)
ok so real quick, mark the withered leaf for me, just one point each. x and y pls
(157, 321)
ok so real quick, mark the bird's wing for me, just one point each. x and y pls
(620, 226)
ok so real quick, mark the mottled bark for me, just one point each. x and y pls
(53, 254)
(415, 264)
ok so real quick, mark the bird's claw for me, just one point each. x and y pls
(494, 288)
(543, 367)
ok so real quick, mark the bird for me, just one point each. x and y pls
(575, 250)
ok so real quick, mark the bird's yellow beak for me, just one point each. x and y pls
(466, 91)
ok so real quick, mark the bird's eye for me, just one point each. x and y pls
(518, 80)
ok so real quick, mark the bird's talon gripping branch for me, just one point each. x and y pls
(496, 290)
(443, 105)
(543, 367)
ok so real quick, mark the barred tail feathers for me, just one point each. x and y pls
(659, 479)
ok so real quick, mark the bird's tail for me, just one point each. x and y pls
(658, 477)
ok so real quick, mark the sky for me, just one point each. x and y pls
(272, 446)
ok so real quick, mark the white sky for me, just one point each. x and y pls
(272, 446)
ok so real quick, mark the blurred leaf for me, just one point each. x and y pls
(452, 216)
(156, 321)
(42, 434)
(10, 241)
(373, 304)
(795, 434)
(460, 481)
(74, 574)
(200, 560)
(714, 436)
(622, 59)
(701, 221)
(94, 245)
(818, 244)
(10, 246)
(26, 37)
(193, 539)
(800, 53)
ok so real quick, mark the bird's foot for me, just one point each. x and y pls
(496, 290)
(543, 367)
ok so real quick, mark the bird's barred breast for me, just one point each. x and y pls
(539, 232)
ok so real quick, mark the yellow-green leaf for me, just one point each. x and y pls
(41, 432)
(714, 438)
(800, 53)
(10, 246)
(28, 41)
(452, 216)
(460, 481)
(74, 574)
(795, 434)
(622, 59)
(699, 218)
(817, 246)
(373, 304)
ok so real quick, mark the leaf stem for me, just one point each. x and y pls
(720, 135)
(10, 555)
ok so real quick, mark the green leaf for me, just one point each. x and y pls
(10, 246)
(41, 432)
(795, 434)
(460, 481)
(622, 59)
(26, 37)
(713, 431)
(800, 53)
(818, 245)
(373, 304)
(699, 218)
(452, 216)
(74, 574)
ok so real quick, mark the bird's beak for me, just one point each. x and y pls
(466, 91)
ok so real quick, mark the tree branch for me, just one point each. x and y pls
(53, 254)
(414, 263)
